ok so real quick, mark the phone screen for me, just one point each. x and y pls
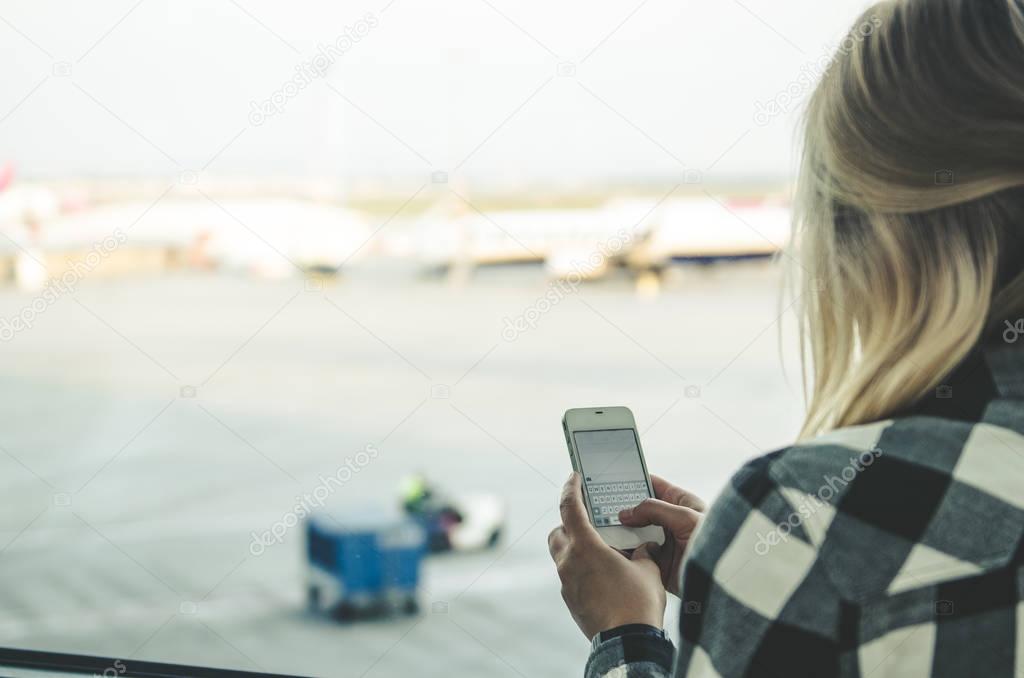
(613, 472)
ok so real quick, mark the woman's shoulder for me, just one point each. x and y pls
(895, 505)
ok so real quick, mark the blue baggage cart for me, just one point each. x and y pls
(363, 565)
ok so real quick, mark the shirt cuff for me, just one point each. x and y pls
(643, 648)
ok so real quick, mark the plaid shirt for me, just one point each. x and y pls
(892, 549)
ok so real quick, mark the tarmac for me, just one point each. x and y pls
(151, 425)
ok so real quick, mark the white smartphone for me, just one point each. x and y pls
(605, 449)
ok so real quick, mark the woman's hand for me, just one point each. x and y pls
(602, 587)
(676, 510)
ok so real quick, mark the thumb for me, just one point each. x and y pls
(680, 521)
(574, 514)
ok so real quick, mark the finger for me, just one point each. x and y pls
(643, 557)
(644, 552)
(557, 541)
(678, 520)
(574, 513)
(666, 491)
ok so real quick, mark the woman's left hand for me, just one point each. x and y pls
(602, 587)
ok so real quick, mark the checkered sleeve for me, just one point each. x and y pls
(632, 655)
(755, 598)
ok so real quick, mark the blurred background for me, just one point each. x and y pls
(256, 257)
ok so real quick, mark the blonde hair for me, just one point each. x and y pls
(910, 204)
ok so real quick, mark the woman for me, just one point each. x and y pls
(888, 541)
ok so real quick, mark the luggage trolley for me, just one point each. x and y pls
(362, 566)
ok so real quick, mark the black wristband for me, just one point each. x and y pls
(628, 629)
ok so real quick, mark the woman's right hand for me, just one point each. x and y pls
(678, 512)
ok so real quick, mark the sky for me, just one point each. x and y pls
(562, 90)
